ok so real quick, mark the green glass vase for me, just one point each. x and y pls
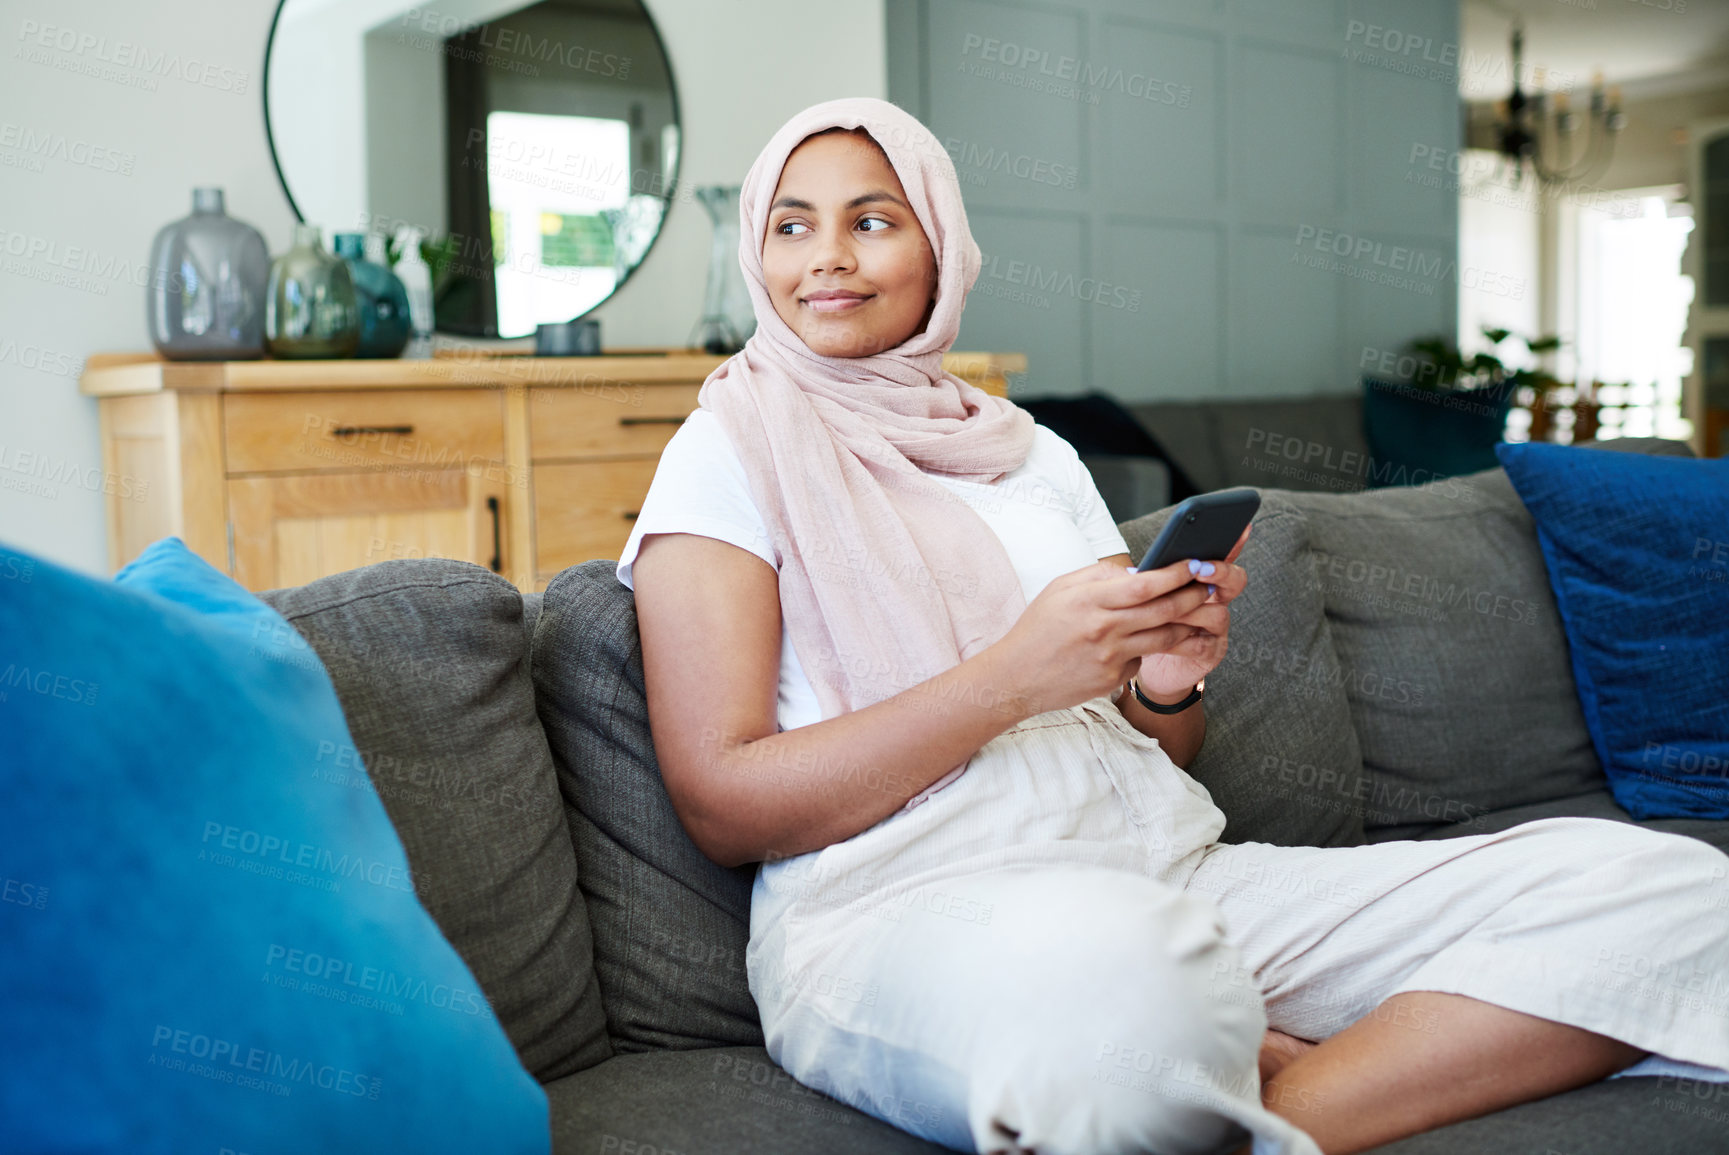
(310, 307)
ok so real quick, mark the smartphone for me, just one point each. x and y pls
(1204, 527)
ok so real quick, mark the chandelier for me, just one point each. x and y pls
(1542, 132)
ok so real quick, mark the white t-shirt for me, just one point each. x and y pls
(1047, 513)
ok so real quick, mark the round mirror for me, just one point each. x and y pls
(530, 150)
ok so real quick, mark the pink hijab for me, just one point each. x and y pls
(887, 578)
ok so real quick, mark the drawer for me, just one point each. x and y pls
(402, 428)
(585, 510)
(579, 422)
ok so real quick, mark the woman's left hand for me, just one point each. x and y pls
(1172, 673)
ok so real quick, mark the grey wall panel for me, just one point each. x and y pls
(1289, 138)
(1161, 337)
(1158, 151)
(1402, 126)
(1012, 123)
(1412, 36)
(1313, 19)
(1200, 159)
(1404, 297)
(1034, 291)
(1285, 320)
(1167, 9)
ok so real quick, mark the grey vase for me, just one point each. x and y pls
(205, 299)
(728, 317)
(310, 307)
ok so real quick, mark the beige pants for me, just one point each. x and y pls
(1054, 953)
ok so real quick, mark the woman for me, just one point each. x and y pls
(888, 633)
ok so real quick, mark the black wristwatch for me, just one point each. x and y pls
(1174, 708)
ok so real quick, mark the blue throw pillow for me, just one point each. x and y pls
(1637, 549)
(205, 943)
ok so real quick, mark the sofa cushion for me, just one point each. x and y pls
(1439, 593)
(721, 1099)
(670, 925)
(430, 660)
(1711, 830)
(202, 944)
(1637, 550)
(737, 1099)
(1280, 759)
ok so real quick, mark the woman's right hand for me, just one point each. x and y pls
(1085, 632)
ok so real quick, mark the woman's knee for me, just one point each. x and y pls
(1688, 861)
(1698, 873)
(1136, 1018)
(1601, 842)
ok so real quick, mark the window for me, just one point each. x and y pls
(575, 241)
(1631, 311)
(551, 180)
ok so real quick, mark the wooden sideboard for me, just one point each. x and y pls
(280, 472)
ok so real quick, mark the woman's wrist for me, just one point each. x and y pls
(1161, 697)
(1126, 692)
(1181, 733)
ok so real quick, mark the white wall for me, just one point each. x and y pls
(67, 215)
(1652, 150)
(318, 69)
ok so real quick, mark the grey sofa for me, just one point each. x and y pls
(508, 738)
(1311, 444)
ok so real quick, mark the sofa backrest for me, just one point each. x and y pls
(1304, 443)
(1461, 689)
(430, 661)
(670, 926)
(1281, 757)
(1455, 661)
(1433, 616)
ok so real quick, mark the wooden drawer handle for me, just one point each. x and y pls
(497, 562)
(360, 430)
(651, 421)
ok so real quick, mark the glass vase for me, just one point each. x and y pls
(205, 300)
(416, 277)
(728, 318)
(382, 299)
(310, 309)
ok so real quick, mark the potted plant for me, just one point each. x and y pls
(1445, 417)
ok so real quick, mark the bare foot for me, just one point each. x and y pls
(1278, 1050)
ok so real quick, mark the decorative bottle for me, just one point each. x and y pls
(310, 307)
(205, 299)
(416, 277)
(382, 299)
(728, 318)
